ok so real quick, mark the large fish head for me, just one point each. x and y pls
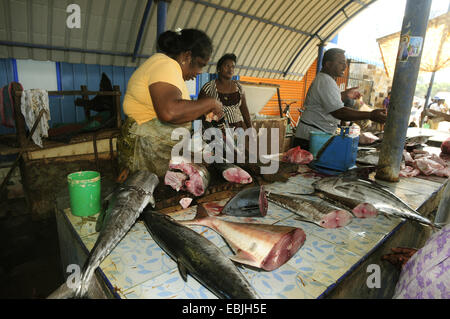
(145, 181)
(250, 202)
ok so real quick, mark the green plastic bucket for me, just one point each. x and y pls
(84, 190)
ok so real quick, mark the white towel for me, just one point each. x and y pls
(32, 102)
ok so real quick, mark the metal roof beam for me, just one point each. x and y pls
(267, 70)
(59, 48)
(253, 68)
(161, 17)
(242, 14)
(322, 26)
(360, 2)
(141, 28)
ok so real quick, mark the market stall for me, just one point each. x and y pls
(332, 262)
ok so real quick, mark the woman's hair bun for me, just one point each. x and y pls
(169, 43)
(173, 43)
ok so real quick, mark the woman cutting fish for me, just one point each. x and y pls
(157, 101)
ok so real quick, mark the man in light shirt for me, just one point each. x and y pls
(324, 103)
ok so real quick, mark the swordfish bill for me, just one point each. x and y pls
(258, 245)
(199, 257)
(125, 205)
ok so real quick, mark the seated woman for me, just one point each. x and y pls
(229, 92)
(157, 101)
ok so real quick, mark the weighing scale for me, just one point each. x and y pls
(337, 154)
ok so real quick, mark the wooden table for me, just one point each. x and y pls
(331, 264)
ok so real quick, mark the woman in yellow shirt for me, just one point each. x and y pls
(157, 100)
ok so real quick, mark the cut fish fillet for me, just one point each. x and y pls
(284, 249)
(237, 175)
(336, 219)
(175, 179)
(365, 210)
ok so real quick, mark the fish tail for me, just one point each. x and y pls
(202, 212)
(200, 218)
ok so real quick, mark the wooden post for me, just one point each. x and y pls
(87, 112)
(21, 131)
(21, 128)
(117, 105)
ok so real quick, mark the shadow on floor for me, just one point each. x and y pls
(29, 258)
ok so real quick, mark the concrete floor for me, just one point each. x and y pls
(29, 257)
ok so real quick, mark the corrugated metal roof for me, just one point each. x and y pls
(272, 38)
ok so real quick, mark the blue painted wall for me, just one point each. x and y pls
(71, 77)
(63, 109)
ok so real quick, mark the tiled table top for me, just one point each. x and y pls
(138, 268)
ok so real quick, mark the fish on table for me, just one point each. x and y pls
(199, 257)
(249, 202)
(184, 175)
(312, 211)
(125, 205)
(233, 173)
(352, 190)
(258, 245)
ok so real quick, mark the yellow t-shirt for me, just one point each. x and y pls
(158, 68)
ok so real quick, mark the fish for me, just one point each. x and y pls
(368, 156)
(199, 257)
(233, 173)
(175, 179)
(125, 205)
(249, 202)
(410, 142)
(198, 176)
(361, 210)
(297, 156)
(312, 211)
(416, 140)
(258, 245)
(353, 190)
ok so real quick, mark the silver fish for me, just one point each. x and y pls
(125, 205)
(416, 140)
(352, 191)
(315, 212)
(199, 257)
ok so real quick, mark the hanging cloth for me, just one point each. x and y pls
(32, 102)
